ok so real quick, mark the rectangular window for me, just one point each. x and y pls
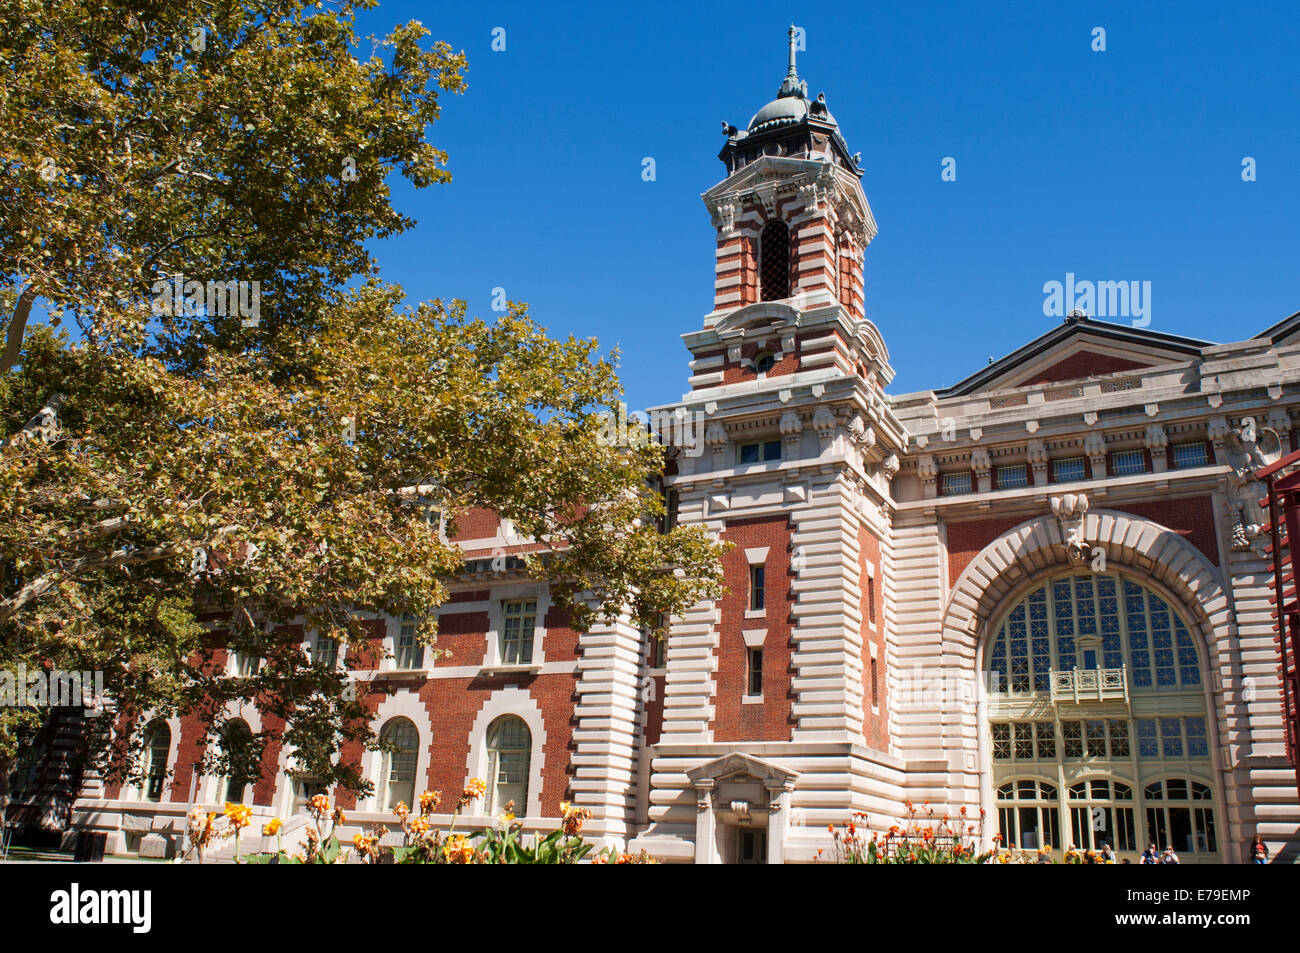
(758, 452)
(1148, 741)
(1119, 738)
(956, 483)
(757, 580)
(1197, 745)
(1069, 470)
(1072, 733)
(407, 653)
(1012, 477)
(875, 685)
(1188, 455)
(1024, 737)
(1126, 462)
(871, 600)
(1001, 741)
(1096, 734)
(1045, 735)
(325, 651)
(754, 682)
(1171, 737)
(669, 519)
(519, 619)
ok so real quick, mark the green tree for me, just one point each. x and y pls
(186, 474)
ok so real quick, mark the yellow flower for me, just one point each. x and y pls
(272, 827)
(238, 815)
(430, 800)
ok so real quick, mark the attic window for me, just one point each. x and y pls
(763, 362)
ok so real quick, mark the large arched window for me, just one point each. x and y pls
(236, 740)
(1093, 621)
(157, 749)
(1027, 814)
(1180, 814)
(510, 750)
(1101, 812)
(774, 260)
(397, 766)
(1096, 695)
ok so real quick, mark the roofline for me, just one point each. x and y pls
(1115, 332)
(1289, 323)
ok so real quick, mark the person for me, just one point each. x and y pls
(1126, 861)
(1149, 856)
(1169, 856)
(1107, 855)
(1258, 851)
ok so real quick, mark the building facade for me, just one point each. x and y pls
(1040, 593)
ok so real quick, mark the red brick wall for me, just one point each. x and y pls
(769, 720)
(1083, 364)
(874, 726)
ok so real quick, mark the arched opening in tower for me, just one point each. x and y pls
(774, 260)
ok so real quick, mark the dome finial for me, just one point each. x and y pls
(793, 85)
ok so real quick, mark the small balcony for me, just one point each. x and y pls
(1083, 686)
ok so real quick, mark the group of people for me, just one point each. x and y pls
(1151, 856)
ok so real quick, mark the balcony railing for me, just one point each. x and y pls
(1081, 686)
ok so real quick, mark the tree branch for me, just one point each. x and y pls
(17, 324)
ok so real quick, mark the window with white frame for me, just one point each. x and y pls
(236, 744)
(408, 653)
(157, 749)
(1027, 814)
(754, 675)
(1101, 813)
(1180, 814)
(246, 661)
(510, 751)
(518, 624)
(324, 651)
(757, 587)
(397, 766)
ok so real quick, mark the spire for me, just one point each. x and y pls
(793, 85)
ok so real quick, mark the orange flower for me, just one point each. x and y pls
(429, 800)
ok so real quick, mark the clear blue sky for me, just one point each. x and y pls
(1116, 165)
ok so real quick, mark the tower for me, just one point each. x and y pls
(774, 703)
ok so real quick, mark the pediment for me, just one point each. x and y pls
(740, 765)
(1080, 348)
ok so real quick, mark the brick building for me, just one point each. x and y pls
(1040, 592)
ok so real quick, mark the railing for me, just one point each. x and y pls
(1282, 479)
(1081, 686)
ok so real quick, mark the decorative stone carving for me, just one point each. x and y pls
(1156, 440)
(824, 421)
(890, 465)
(1070, 510)
(1094, 445)
(1248, 448)
(981, 465)
(861, 434)
(928, 471)
(1036, 452)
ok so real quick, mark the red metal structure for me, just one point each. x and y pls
(1283, 481)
